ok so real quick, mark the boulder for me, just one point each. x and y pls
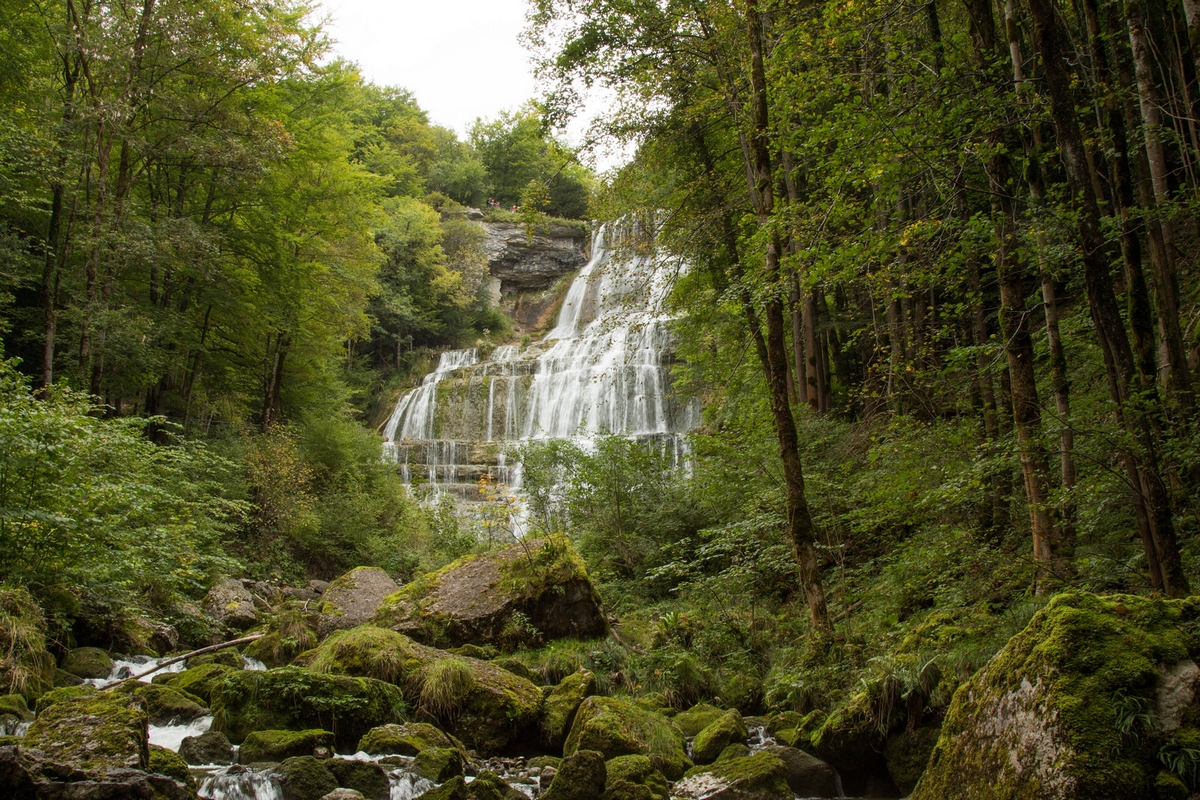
(280, 745)
(486, 786)
(407, 739)
(15, 705)
(95, 733)
(64, 678)
(738, 750)
(438, 764)
(63, 693)
(366, 777)
(615, 727)
(907, 754)
(483, 705)
(88, 662)
(581, 776)
(169, 763)
(1080, 704)
(304, 778)
(211, 747)
(807, 775)
(199, 681)
(291, 698)
(635, 771)
(26, 774)
(560, 706)
(533, 591)
(230, 604)
(725, 730)
(762, 776)
(353, 599)
(697, 718)
(166, 705)
(229, 657)
(344, 794)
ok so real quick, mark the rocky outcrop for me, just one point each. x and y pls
(95, 733)
(230, 604)
(1074, 707)
(531, 592)
(353, 599)
(28, 774)
(615, 727)
(522, 262)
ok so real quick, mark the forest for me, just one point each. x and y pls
(941, 311)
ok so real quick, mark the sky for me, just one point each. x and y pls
(461, 59)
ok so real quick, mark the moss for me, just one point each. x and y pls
(88, 662)
(637, 770)
(65, 693)
(561, 705)
(738, 750)
(762, 774)
(658, 702)
(305, 778)
(278, 745)
(743, 691)
(539, 762)
(165, 704)
(483, 653)
(722, 732)
(1168, 786)
(519, 669)
(697, 718)
(407, 739)
(199, 681)
(363, 776)
(438, 764)
(210, 747)
(290, 698)
(95, 733)
(453, 789)
(624, 790)
(616, 727)
(1041, 719)
(907, 754)
(15, 704)
(169, 763)
(64, 678)
(367, 651)
(581, 776)
(490, 786)
(229, 657)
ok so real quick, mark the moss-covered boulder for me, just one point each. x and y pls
(438, 764)
(518, 668)
(15, 705)
(304, 778)
(366, 777)
(485, 706)
(534, 591)
(737, 750)
(353, 599)
(199, 681)
(230, 657)
(94, 733)
(807, 775)
(636, 771)
(581, 776)
(717, 735)
(26, 667)
(280, 745)
(615, 727)
(88, 662)
(762, 776)
(486, 786)
(907, 754)
(63, 693)
(290, 698)
(697, 718)
(484, 652)
(1092, 699)
(454, 789)
(561, 705)
(230, 605)
(406, 739)
(164, 704)
(210, 747)
(64, 678)
(169, 763)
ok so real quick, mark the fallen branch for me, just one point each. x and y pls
(847, 611)
(212, 648)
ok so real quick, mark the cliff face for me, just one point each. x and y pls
(526, 272)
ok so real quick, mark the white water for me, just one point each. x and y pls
(603, 368)
(239, 783)
(171, 736)
(124, 669)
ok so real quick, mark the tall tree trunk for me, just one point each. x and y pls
(1102, 302)
(800, 521)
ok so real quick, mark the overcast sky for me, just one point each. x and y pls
(460, 58)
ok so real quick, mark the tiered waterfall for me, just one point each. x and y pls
(604, 368)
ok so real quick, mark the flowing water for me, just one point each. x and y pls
(603, 368)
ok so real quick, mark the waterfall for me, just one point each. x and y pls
(602, 369)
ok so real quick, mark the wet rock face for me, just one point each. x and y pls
(353, 599)
(526, 264)
(211, 747)
(230, 604)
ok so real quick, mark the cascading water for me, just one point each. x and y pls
(603, 368)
